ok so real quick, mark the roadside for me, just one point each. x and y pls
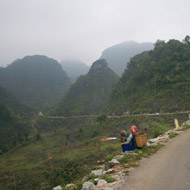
(114, 175)
(168, 169)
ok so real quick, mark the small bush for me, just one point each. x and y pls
(109, 157)
(108, 178)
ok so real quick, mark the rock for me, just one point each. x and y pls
(187, 122)
(108, 188)
(101, 183)
(169, 132)
(111, 164)
(57, 188)
(88, 186)
(96, 179)
(130, 152)
(116, 168)
(70, 187)
(116, 177)
(97, 173)
(110, 171)
(118, 157)
(99, 162)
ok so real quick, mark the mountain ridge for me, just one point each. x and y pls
(38, 81)
(90, 92)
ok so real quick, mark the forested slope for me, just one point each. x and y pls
(155, 81)
(37, 81)
(90, 93)
(14, 117)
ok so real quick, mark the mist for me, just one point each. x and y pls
(81, 30)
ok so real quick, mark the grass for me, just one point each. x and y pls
(72, 140)
(132, 159)
(172, 135)
(108, 178)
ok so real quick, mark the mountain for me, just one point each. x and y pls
(13, 120)
(155, 81)
(74, 68)
(37, 81)
(119, 55)
(90, 93)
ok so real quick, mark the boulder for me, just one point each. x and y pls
(108, 188)
(88, 186)
(110, 171)
(111, 164)
(70, 187)
(97, 172)
(187, 122)
(118, 157)
(99, 162)
(101, 183)
(57, 188)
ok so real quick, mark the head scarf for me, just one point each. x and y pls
(134, 130)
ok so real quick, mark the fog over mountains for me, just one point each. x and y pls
(74, 68)
(119, 55)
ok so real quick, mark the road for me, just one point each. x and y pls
(168, 169)
(114, 116)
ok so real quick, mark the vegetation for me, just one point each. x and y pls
(45, 152)
(132, 160)
(71, 142)
(90, 93)
(155, 81)
(172, 135)
(37, 81)
(14, 117)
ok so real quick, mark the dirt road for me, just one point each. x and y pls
(168, 169)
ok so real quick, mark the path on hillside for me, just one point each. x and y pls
(168, 169)
(114, 116)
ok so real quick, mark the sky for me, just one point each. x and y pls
(82, 29)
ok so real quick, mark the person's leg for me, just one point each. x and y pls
(124, 147)
(130, 148)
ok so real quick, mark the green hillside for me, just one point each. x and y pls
(155, 81)
(37, 81)
(90, 93)
(14, 128)
(69, 149)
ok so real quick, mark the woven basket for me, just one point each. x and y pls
(141, 140)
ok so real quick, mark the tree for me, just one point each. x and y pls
(187, 40)
(159, 44)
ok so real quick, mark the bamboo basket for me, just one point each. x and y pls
(141, 140)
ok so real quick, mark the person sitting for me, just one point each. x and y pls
(123, 140)
(130, 143)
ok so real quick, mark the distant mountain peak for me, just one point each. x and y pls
(99, 65)
(120, 54)
(90, 93)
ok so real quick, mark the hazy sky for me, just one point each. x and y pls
(82, 29)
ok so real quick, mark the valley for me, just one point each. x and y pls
(63, 143)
